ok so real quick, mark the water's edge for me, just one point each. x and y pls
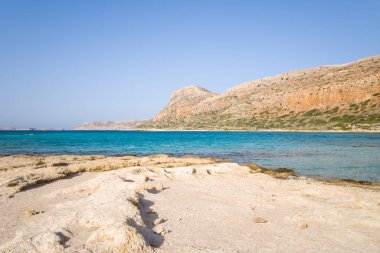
(313, 154)
(276, 173)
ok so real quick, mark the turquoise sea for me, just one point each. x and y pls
(332, 155)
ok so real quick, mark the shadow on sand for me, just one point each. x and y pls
(148, 216)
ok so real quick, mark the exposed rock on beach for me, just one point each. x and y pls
(176, 204)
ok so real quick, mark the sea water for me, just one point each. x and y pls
(331, 155)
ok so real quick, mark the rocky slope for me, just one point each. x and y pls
(339, 97)
(109, 125)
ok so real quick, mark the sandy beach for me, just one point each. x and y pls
(190, 126)
(177, 204)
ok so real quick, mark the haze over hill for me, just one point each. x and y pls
(339, 97)
(109, 125)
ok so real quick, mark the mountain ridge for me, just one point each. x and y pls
(331, 97)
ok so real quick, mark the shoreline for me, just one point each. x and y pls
(259, 130)
(286, 173)
(198, 130)
(278, 173)
(125, 204)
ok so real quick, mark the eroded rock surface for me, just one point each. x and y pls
(339, 97)
(96, 222)
(21, 172)
(173, 206)
(104, 214)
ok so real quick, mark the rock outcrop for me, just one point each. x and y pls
(22, 172)
(104, 214)
(179, 204)
(101, 215)
(182, 103)
(339, 97)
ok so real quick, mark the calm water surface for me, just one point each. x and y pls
(342, 155)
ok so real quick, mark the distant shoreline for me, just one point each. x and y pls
(192, 130)
(259, 130)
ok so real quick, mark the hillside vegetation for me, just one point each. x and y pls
(339, 97)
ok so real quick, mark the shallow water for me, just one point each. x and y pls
(333, 155)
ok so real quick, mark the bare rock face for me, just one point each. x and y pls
(182, 206)
(340, 97)
(22, 172)
(101, 214)
(182, 103)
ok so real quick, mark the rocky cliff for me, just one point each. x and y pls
(339, 97)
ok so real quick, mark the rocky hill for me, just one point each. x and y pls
(109, 125)
(339, 97)
(29, 129)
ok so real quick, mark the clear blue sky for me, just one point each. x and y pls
(65, 62)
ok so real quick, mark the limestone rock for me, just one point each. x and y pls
(24, 174)
(30, 213)
(343, 96)
(153, 186)
(158, 221)
(259, 220)
(100, 218)
(223, 168)
(161, 230)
